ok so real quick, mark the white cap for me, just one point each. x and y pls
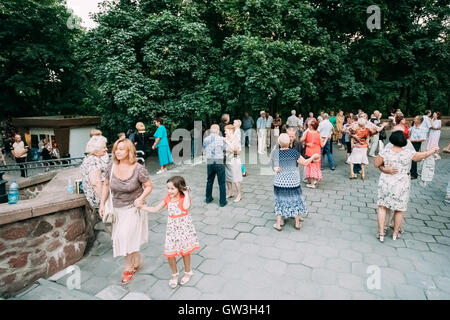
(262, 112)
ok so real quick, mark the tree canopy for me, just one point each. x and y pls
(193, 60)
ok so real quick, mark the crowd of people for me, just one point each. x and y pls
(125, 182)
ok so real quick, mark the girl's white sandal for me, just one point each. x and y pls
(187, 276)
(174, 281)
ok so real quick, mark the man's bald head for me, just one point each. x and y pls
(215, 129)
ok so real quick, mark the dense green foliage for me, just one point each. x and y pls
(38, 72)
(193, 60)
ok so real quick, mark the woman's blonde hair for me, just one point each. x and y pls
(229, 127)
(95, 144)
(95, 132)
(239, 122)
(283, 139)
(129, 146)
(140, 126)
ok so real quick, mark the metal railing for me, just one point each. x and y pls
(46, 165)
(54, 164)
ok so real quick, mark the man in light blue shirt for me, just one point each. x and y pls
(214, 146)
(326, 130)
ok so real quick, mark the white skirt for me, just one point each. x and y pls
(233, 171)
(130, 230)
(358, 156)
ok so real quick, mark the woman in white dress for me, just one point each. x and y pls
(233, 165)
(394, 183)
(435, 132)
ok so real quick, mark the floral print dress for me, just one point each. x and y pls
(393, 189)
(92, 163)
(181, 238)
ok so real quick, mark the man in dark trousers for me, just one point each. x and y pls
(214, 146)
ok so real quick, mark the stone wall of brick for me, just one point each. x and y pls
(39, 247)
(44, 235)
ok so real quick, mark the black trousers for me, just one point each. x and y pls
(23, 171)
(413, 171)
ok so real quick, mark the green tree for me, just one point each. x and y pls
(38, 72)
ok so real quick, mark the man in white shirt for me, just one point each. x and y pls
(326, 130)
(19, 152)
(262, 131)
(292, 121)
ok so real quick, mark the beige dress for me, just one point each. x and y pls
(130, 230)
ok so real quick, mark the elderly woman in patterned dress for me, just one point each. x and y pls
(394, 183)
(289, 202)
(93, 170)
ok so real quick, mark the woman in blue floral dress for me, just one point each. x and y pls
(289, 201)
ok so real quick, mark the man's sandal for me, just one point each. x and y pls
(173, 282)
(187, 276)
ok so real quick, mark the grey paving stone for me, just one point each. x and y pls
(351, 282)
(309, 290)
(417, 244)
(327, 252)
(338, 265)
(440, 248)
(95, 284)
(350, 255)
(136, 296)
(211, 266)
(243, 227)
(443, 239)
(186, 293)
(274, 266)
(362, 247)
(443, 283)
(160, 290)
(406, 292)
(210, 284)
(112, 293)
(324, 276)
(423, 237)
(400, 264)
(291, 256)
(141, 283)
(420, 280)
(363, 295)
(435, 294)
(428, 268)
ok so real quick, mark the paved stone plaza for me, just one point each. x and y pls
(243, 257)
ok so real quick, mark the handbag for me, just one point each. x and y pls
(109, 217)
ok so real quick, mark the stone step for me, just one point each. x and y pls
(49, 290)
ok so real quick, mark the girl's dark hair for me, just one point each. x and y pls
(178, 182)
(398, 119)
(159, 119)
(314, 124)
(398, 139)
(438, 115)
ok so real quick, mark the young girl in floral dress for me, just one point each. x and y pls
(181, 238)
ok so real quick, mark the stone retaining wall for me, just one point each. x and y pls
(43, 236)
